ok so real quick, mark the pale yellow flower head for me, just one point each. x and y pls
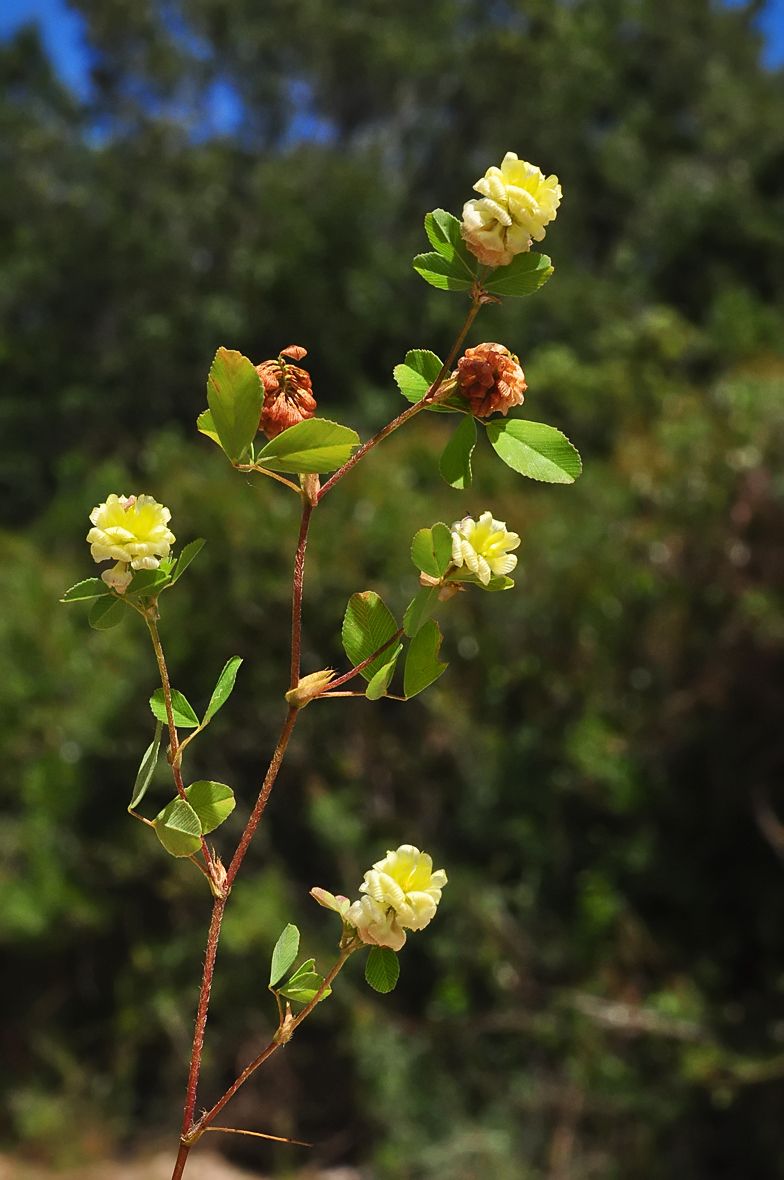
(483, 546)
(401, 892)
(130, 530)
(517, 202)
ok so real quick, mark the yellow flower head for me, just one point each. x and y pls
(483, 546)
(517, 202)
(401, 892)
(130, 530)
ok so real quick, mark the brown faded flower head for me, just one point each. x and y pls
(490, 378)
(288, 396)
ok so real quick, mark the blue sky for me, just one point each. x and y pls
(62, 32)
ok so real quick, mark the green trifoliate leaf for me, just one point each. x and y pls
(235, 397)
(182, 711)
(415, 376)
(382, 968)
(284, 954)
(420, 609)
(312, 447)
(178, 828)
(525, 274)
(443, 230)
(367, 625)
(223, 688)
(431, 550)
(455, 465)
(304, 984)
(148, 582)
(89, 588)
(534, 449)
(186, 557)
(380, 682)
(441, 273)
(422, 663)
(106, 613)
(205, 425)
(212, 802)
(146, 769)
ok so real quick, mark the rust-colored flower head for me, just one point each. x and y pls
(288, 397)
(490, 378)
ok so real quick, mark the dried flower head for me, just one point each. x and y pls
(401, 892)
(517, 202)
(490, 378)
(484, 547)
(130, 530)
(288, 397)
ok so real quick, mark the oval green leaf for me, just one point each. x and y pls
(89, 588)
(223, 688)
(422, 663)
(106, 613)
(148, 582)
(186, 557)
(146, 769)
(525, 274)
(455, 465)
(443, 231)
(284, 954)
(235, 397)
(205, 425)
(431, 550)
(420, 609)
(312, 447)
(182, 711)
(212, 802)
(178, 828)
(367, 625)
(534, 449)
(382, 969)
(442, 273)
(379, 683)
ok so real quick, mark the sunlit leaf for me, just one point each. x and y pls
(178, 828)
(443, 231)
(186, 557)
(367, 625)
(534, 449)
(312, 447)
(525, 274)
(223, 688)
(212, 802)
(284, 954)
(379, 684)
(182, 711)
(442, 273)
(420, 609)
(431, 550)
(235, 397)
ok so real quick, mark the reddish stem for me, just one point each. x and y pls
(261, 802)
(365, 663)
(198, 1036)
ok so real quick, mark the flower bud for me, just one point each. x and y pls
(517, 202)
(491, 380)
(310, 687)
(484, 547)
(401, 892)
(130, 530)
(288, 397)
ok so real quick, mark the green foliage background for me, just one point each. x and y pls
(603, 992)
